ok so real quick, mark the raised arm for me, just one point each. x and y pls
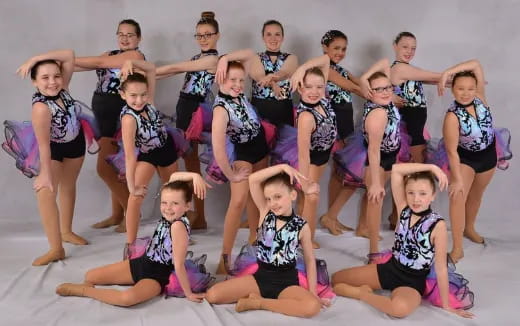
(106, 61)
(347, 84)
(322, 62)
(199, 185)
(248, 57)
(402, 72)
(383, 66)
(208, 63)
(128, 68)
(64, 57)
(400, 171)
(471, 65)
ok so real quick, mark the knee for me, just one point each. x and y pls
(337, 278)
(311, 308)
(212, 296)
(399, 309)
(238, 203)
(312, 199)
(90, 277)
(128, 298)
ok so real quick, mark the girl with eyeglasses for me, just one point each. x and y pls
(107, 105)
(199, 78)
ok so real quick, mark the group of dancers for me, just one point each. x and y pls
(242, 138)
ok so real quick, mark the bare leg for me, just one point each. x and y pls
(118, 189)
(458, 213)
(330, 219)
(417, 153)
(362, 228)
(67, 199)
(253, 215)
(374, 211)
(402, 302)
(192, 163)
(231, 290)
(480, 183)
(357, 276)
(143, 174)
(310, 204)
(292, 301)
(112, 220)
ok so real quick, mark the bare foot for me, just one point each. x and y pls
(364, 234)
(73, 238)
(315, 244)
(49, 257)
(474, 236)
(456, 255)
(330, 225)
(349, 291)
(343, 227)
(121, 228)
(108, 222)
(72, 289)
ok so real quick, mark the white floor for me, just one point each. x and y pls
(27, 293)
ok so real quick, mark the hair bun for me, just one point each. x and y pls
(207, 15)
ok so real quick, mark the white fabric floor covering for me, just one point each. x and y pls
(27, 293)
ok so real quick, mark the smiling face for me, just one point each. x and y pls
(48, 79)
(419, 194)
(173, 204)
(464, 90)
(234, 83)
(336, 50)
(273, 37)
(208, 37)
(382, 91)
(279, 198)
(127, 38)
(135, 94)
(405, 49)
(313, 89)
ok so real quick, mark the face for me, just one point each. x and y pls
(49, 80)
(173, 204)
(208, 38)
(273, 37)
(336, 50)
(127, 38)
(405, 49)
(313, 89)
(382, 91)
(279, 198)
(135, 94)
(419, 194)
(464, 90)
(234, 83)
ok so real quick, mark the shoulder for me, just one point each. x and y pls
(38, 98)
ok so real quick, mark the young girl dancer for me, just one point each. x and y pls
(142, 129)
(61, 147)
(200, 74)
(107, 105)
(420, 241)
(470, 141)
(274, 286)
(235, 117)
(317, 129)
(166, 252)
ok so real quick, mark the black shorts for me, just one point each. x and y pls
(386, 160)
(73, 149)
(344, 119)
(161, 156)
(107, 108)
(143, 268)
(480, 161)
(272, 280)
(186, 106)
(393, 274)
(254, 150)
(277, 112)
(415, 119)
(320, 157)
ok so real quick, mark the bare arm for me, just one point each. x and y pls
(146, 66)
(41, 121)
(199, 185)
(289, 66)
(306, 125)
(450, 131)
(322, 62)
(248, 57)
(208, 63)
(375, 126)
(471, 65)
(346, 84)
(106, 61)
(402, 72)
(308, 257)
(64, 57)
(128, 129)
(383, 66)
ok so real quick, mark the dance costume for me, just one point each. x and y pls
(325, 132)
(276, 111)
(414, 111)
(106, 101)
(341, 102)
(196, 88)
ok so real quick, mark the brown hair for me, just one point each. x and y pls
(34, 69)
(134, 78)
(236, 65)
(272, 22)
(133, 23)
(208, 18)
(179, 185)
(282, 178)
(313, 71)
(376, 75)
(465, 73)
(423, 175)
(403, 34)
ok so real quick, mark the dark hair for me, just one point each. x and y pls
(208, 18)
(134, 78)
(376, 75)
(235, 64)
(272, 22)
(465, 73)
(34, 69)
(133, 23)
(282, 178)
(423, 175)
(179, 185)
(403, 34)
(313, 71)
(331, 35)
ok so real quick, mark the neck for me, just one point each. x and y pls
(273, 53)
(423, 213)
(285, 218)
(52, 97)
(309, 104)
(463, 105)
(209, 51)
(227, 96)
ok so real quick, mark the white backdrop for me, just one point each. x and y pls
(447, 32)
